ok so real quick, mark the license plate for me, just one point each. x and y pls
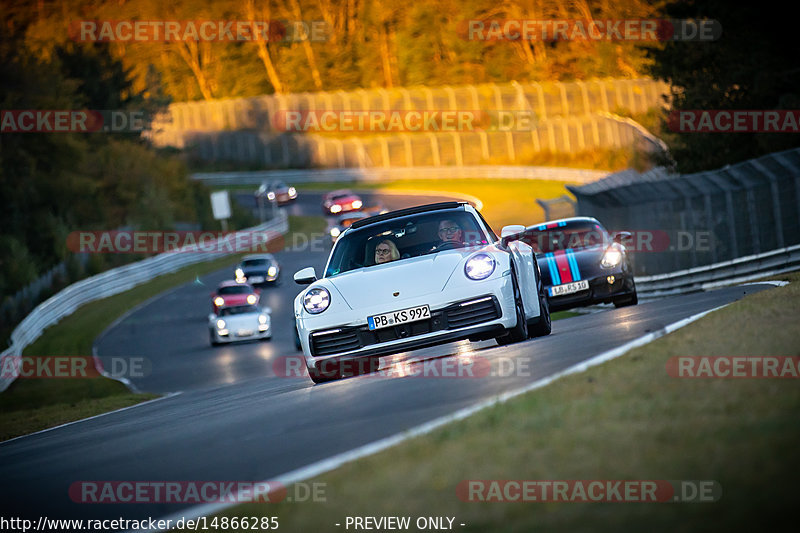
(412, 314)
(569, 288)
(244, 333)
(256, 279)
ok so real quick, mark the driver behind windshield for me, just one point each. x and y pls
(450, 231)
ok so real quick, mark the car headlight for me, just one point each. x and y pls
(252, 299)
(292, 192)
(357, 204)
(220, 324)
(239, 273)
(479, 267)
(335, 232)
(272, 270)
(611, 258)
(336, 208)
(219, 300)
(270, 195)
(262, 319)
(316, 300)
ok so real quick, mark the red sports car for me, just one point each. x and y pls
(341, 201)
(230, 293)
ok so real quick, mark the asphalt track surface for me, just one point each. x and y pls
(237, 419)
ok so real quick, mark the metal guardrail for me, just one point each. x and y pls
(738, 270)
(107, 284)
(367, 175)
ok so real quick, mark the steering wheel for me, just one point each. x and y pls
(446, 245)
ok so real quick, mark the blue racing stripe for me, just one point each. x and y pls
(555, 277)
(573, 265)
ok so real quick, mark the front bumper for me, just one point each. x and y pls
(599, 291)
(482, 316)
(233, 336)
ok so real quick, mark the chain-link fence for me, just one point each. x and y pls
(685, 221)
(566, 117)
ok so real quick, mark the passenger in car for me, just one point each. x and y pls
(386, 251)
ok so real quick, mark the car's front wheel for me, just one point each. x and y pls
(520, 331)
(545, 324)
(628, 299)
(213, 338)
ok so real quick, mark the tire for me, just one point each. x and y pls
(633, 299)
(520, 331)
(212, 338)
(351, 368)
(627, 300)
(545, 324)
(318, 377)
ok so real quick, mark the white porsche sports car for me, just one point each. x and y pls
(239, 323)
(413, 278)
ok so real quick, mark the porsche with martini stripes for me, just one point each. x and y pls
(581, 263)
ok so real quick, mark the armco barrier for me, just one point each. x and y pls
(106, 284)
(367, 175)
(738, 270)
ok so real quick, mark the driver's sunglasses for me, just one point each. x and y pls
(451, 229)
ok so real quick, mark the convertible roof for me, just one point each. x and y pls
(404, 212)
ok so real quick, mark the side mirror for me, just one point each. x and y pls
(621, 237)
(211, 316)
(305, 276)
(513, 229)
(510, 234)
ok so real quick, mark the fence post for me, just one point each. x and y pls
(512, 154)
(484, 145)
(384, 151)
(457, 146)
(435, 150)
(407, 149)
(564, 101)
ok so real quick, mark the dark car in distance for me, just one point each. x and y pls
(581, 263)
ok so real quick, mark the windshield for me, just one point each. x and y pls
(571, 235)
(255, 263)
(404, 238)
(238, 310)
(235, 289)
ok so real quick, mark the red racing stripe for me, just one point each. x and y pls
(563, 266)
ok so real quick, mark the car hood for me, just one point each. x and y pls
(410, 278)
(572, 264)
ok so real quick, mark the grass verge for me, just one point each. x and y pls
(626, 419)
(33, 404)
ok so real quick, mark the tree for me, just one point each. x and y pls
(754, 65)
